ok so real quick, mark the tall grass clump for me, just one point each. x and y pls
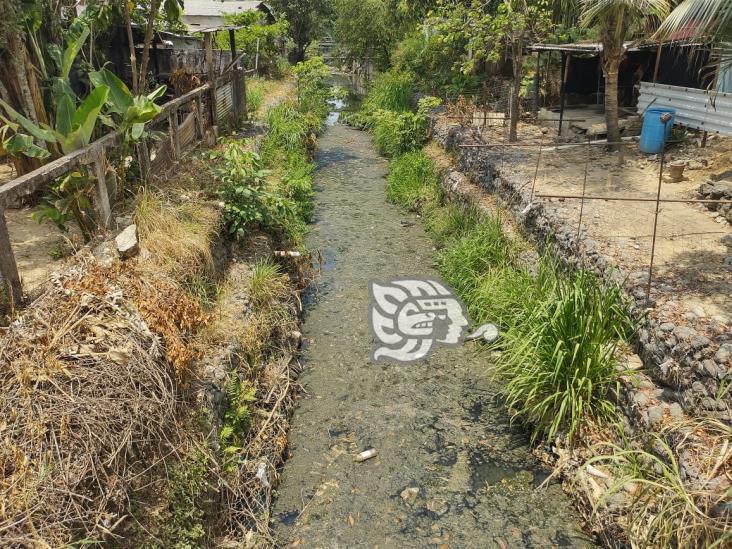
(391, 91)
(454, 220)
(560, 360)
(485, 247)
(414, 182)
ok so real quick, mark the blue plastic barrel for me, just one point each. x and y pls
(654, 132)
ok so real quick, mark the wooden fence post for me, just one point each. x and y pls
(199, 118)
(8, 267)
(101, 198)
(211, 72)
(173, 123)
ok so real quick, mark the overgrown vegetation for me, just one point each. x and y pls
(272, 190)
(562, 331)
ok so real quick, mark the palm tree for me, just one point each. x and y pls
(710, 19)
(616, 22)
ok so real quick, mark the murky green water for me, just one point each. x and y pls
(437, 425)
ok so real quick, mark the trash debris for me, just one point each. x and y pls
(262, 474)
(287, 254)
(366, 454)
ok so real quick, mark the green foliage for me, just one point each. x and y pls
(255, 94)
(560, 361)
(70, 199)
(414, 182)
(246, 201)
(187, 499)
(392, 91)
(398, 132)
(124, 111)
(257, 31)
(267, 284)
(308, 19)
(469, 257)
(453, 221)
(313, 91)
(237, 418)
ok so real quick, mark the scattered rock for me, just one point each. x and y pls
(438, 506)
(655, 415)
(410, 494)
(127, 243)
(698, 310)
(634, 362)
(724, 353)
(640, 399)
(675, 411)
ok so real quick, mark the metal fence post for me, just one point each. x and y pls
(665, 118)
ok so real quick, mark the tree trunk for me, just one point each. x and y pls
(515, 105)
(154, 6)
(610, 69)
(131, 43)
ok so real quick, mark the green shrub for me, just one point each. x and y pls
(414, 182)
(504, 295)
(471, 256)
(255, 94)
(559, 360)
(313, 91)
(391, 91)
(452, 221)
(398, 132)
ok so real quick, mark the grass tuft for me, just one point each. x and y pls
(453, 221)
(268, 284)
(559, 361)
(414, 182)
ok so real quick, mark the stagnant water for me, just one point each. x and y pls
(437, 425)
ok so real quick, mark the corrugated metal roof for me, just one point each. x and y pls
(212, 8)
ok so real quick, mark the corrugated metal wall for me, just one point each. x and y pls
(695, 108)
(224, 100)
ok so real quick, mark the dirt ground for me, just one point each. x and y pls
(33, 244)
(689, 257)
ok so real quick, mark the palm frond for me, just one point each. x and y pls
(698, 19)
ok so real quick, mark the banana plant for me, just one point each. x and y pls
(74, 124)
(124, 111)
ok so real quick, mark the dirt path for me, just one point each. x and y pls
(436, 424)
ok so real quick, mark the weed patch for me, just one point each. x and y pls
(414, 182)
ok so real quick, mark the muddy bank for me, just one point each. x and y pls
(450, 470)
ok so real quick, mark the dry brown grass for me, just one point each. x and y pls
(90, 383)
(178, 236)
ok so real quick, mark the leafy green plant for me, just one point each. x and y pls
(126, 112)
(237, 418)
(70, 199)
(414, 182)
(390, 91)
(560, 362)
(187, 499)
(313, 90)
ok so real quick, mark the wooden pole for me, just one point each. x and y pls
(8, 267)
(658, 61)
(537, 83)
(101, 196)
(208, 51)
(174, 136)
(563, 91)
(236, 79)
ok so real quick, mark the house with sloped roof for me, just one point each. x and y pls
(199, 15)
